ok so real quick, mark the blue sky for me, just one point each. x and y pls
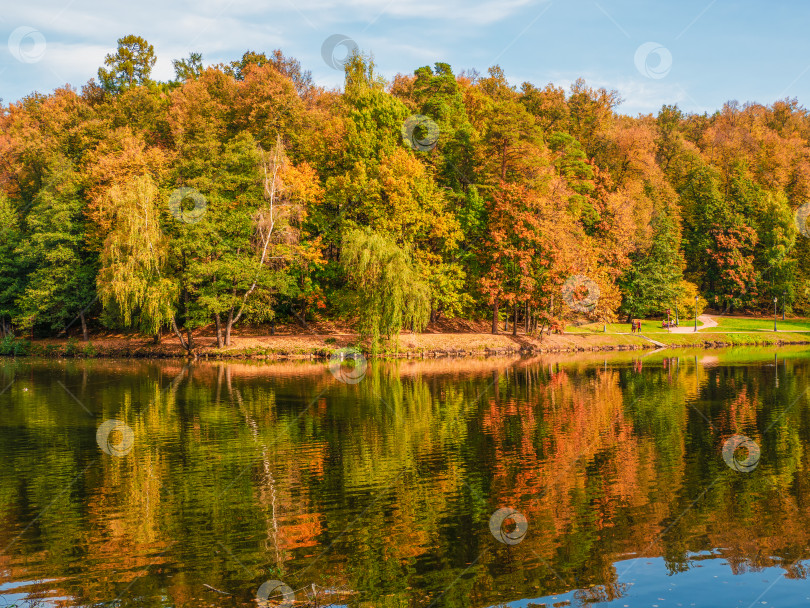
(696, 53)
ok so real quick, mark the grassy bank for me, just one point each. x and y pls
(716, 339)
(291, 343)
(724, 325)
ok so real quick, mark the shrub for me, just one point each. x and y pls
(13, 346)
(72, 347)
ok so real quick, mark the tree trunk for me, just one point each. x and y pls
(495, 316)
(219, 330)
(526, 320)
(228, 327)
(156, 338)
(514, 320)
(273, 327)
(179, 334)
(85, 336)
(189, 341)
(300, 318)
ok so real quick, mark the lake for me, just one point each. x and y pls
(674, 478)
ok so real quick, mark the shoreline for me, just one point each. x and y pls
(298, 346)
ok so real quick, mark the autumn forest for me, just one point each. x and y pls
(245, 194)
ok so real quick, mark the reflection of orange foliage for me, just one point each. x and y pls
(292, 521)
(581, 421)
(299, 531)
(559, 379)
(566, 446)
(741, 412)
(563, 427)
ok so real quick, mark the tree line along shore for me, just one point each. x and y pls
(244, 195)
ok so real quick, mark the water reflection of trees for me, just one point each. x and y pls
(383, 490)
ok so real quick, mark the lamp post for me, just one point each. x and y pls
(696, 299)
(774, 313)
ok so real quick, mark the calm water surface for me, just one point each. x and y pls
(521, 483)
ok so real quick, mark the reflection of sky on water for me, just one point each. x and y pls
(15, 594)
(708, 583)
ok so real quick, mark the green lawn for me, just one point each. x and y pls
(748, 324)
(724, 324)
(647, 327)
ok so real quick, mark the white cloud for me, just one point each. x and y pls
(640, 95)
(644, 98)
(74, 63)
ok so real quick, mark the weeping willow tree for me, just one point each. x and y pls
(390, 293)
(132, 281)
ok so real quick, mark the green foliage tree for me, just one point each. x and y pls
(130, 66)
(188, 69)
(134, 282)
(777, 239)
(61, 283)
(12, 272)
(389, 294)
(572, 166)
(653, 281)
(384, 185)
(235, 261)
